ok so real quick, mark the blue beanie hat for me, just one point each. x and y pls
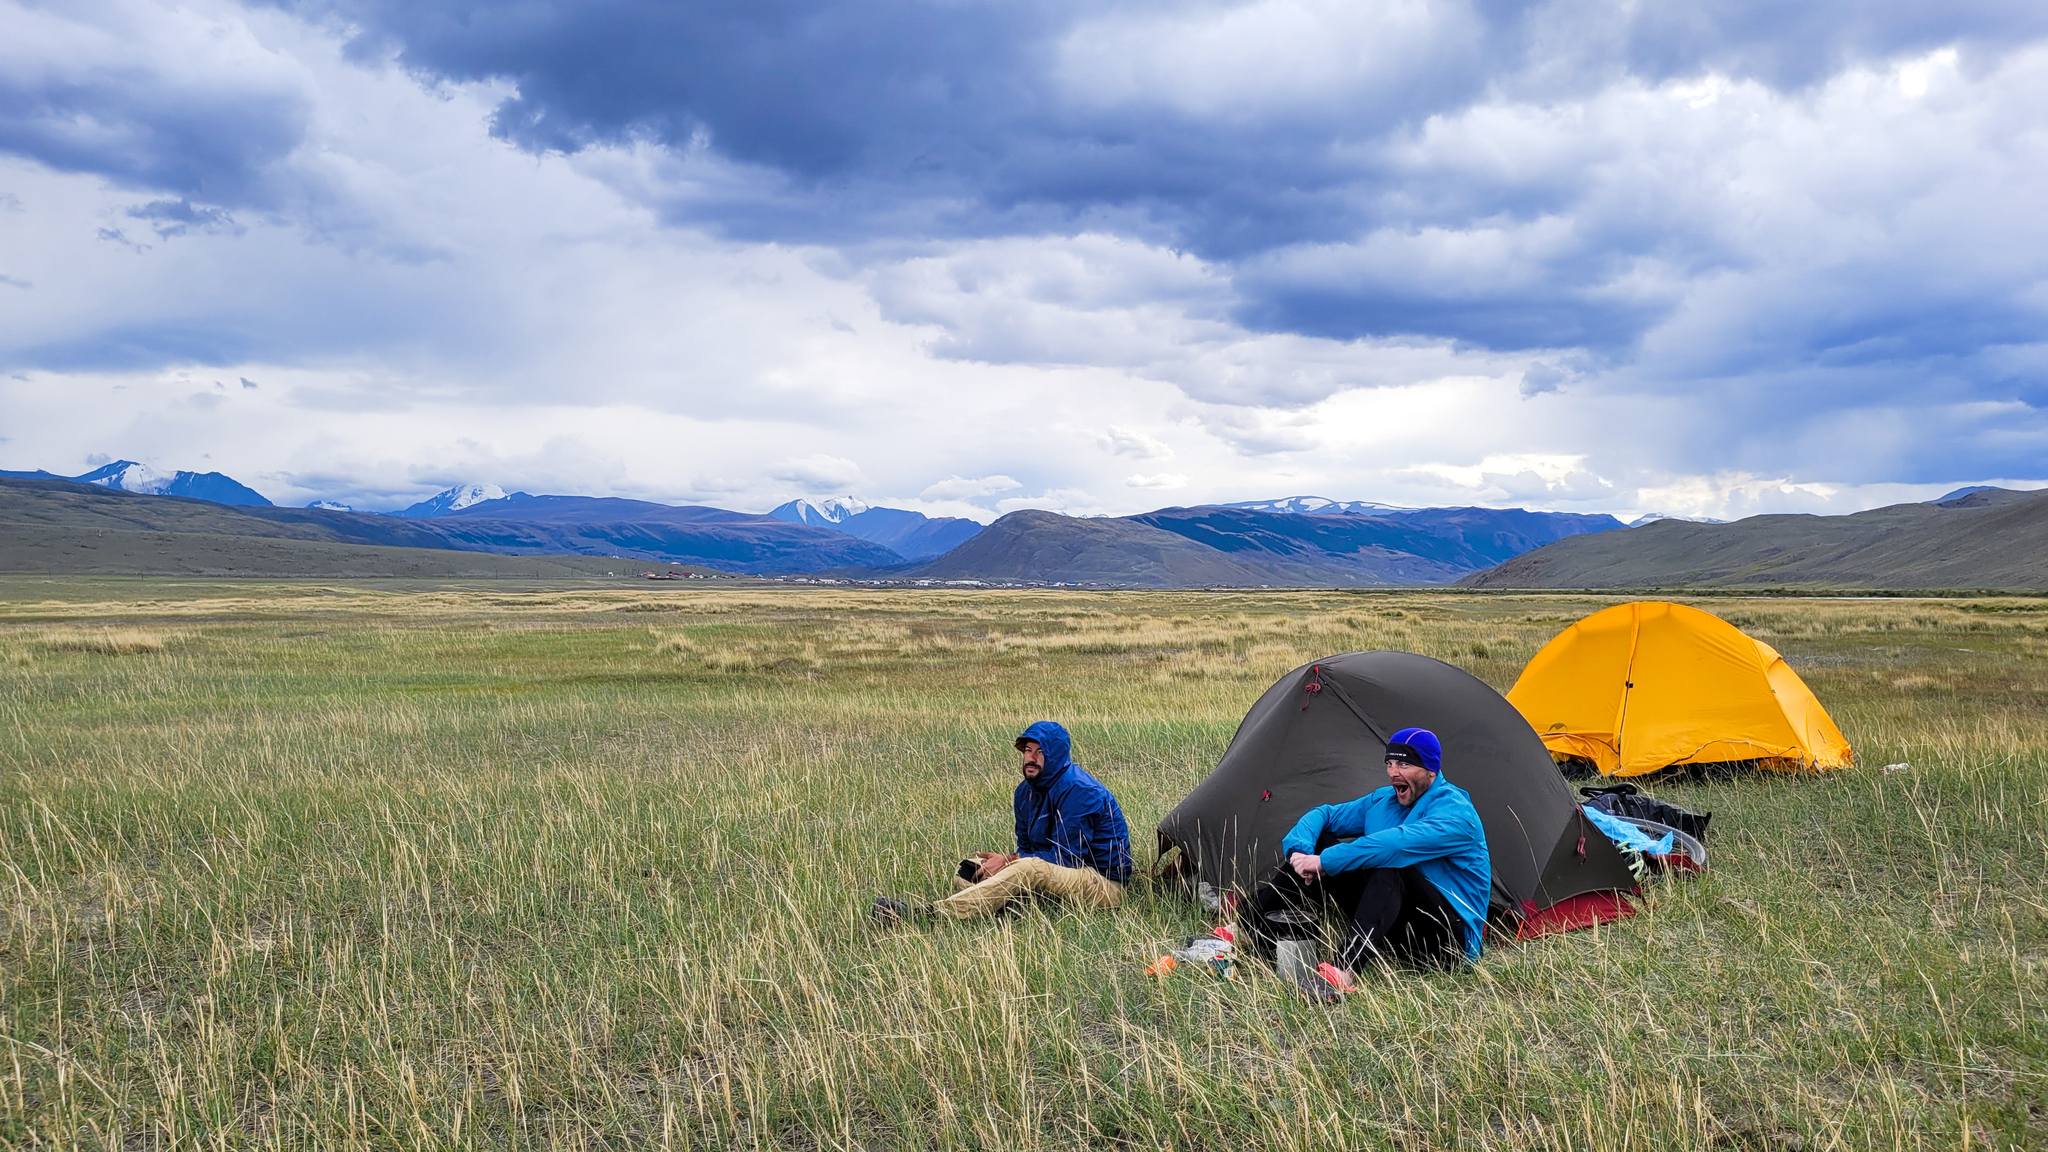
(1416, 746)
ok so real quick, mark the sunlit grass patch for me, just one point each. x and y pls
(674, 644)
(106, 641)
(364, 866)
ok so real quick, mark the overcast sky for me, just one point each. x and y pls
(1690, 256)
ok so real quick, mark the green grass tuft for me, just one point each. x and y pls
(341, 866)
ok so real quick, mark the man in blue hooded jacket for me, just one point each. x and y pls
(1072, 844)
(1410, 870)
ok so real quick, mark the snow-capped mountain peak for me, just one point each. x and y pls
(1318, 506)
(129, 476)
(468, 494)
(453, 500)
(839, 509)
(330, 506)
(1653, 517)
(822, 511)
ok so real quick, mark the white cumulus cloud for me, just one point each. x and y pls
(820, 473)
(1135, 444)
(965, 488)
(1574, 256)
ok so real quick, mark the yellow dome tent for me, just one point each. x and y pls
(1647, 685)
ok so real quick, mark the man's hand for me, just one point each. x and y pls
(1306, 866)
(992, 863)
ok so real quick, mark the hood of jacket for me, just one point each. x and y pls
(1053, 740)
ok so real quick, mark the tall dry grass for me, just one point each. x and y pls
(104, 641)
(574, 868)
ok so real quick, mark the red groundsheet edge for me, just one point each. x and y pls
(1572, 913)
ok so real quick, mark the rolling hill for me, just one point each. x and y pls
(57, 525)
(1344, 549)
(1235, 545)
(1496, 534)
(62, 528)
(1045, 546)
(1987, 538)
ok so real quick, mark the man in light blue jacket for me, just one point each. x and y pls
(1409, 870)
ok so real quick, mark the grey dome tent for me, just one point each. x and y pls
(1319, 737)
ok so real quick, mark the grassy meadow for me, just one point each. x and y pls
(389, 865)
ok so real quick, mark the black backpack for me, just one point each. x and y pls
(1625, 800)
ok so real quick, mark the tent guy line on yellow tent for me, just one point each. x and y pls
(1648, 685)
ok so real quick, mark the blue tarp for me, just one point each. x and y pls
(1628, 835)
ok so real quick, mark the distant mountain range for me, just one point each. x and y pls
(521, 524)
(1338, 544)
(1247, 545)
(1292, 541)
(1317, 506)
(59, 527)
(905, 535)
(1975, 538)
(911, 535)
(448, 500)
(128, 476)
(540, 526)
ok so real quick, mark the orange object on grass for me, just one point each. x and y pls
(1338, 978)
(1647, 685)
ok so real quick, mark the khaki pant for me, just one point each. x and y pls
(1082, 887)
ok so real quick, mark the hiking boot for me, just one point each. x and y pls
(891, 912)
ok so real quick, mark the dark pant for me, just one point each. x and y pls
(1395, 913)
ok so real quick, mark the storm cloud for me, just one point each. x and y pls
(1504, 176)
(1685, 243)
